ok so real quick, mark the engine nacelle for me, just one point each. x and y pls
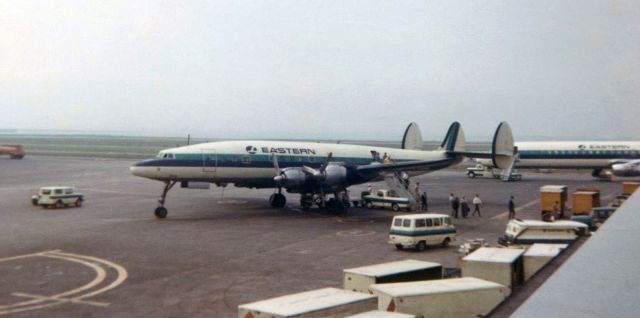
(293, 178)
(335, 175)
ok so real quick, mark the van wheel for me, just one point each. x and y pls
(395, 207)
(421, 246)
(34, 201)
(399, 247)
(471, 174)
(79, 203)
(446, 242)
(369, 205)
(59, 205)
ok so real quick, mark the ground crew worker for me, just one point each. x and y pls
(456, 206)
(512, 209)
(451, 199)
(476, 205)
(423, 202)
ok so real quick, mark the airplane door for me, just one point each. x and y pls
(209, 160)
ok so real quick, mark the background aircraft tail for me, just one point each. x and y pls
(502, 148)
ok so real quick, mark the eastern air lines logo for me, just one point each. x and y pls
(252, 150)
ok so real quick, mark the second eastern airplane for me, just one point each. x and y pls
(309, 168)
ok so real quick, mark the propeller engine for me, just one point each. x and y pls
(330, 176)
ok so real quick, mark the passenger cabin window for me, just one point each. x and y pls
(380, 193)
(68, 191)
(312, 159)
(406, 223)
(429, 222)
(420, 223)
(57, 191)
(397, 222)
(246, 160)
(392, 194)
(436, 222)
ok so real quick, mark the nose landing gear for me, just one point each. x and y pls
(278, 200)
(161, 211)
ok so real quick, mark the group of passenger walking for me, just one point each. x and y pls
(460, 205)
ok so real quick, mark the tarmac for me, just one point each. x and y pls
(217, 248)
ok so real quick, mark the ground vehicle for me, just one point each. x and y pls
(57, 197)
(420, 230)
(14, 151)
(534, 231)
(481, 170)
(384, 199)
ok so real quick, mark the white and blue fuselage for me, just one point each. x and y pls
(249, 163)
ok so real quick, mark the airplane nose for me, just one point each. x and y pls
(142, 169)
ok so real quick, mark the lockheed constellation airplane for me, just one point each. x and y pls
(616, 157)
(311, 169)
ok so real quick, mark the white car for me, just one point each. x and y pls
(57, 197)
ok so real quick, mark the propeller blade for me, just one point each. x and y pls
(275, 163)
(326, 162)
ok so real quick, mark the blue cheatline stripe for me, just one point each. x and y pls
(578, 154)
(533, 241)
(422, 232)
(255, 161)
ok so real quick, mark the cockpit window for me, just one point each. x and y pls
(166, 155)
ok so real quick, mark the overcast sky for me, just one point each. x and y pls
(322, 69)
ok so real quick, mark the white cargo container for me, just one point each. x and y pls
(381, 314)
(456, 297)
(319, 303)
(499, 265)
(538, 255)
(358, 279)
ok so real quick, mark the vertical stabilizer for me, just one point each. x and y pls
(454, 141)
(412, 138)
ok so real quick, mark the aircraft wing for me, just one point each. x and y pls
(406, 166)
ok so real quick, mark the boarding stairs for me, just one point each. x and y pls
(402, 188)
(508, 174)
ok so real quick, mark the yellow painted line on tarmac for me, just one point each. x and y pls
(66, 300)
(11, 258)
(122, 273)
(76, 295)
(518, 209)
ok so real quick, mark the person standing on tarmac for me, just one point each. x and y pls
(476, 205)
(423, 202)
(464, 207)
(451, 199)
(512, 209)
(456, 206)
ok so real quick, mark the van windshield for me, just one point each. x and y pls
(46, 192)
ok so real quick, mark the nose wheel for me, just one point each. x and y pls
(278, 200)
(161, 212)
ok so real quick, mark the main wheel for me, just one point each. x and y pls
(395, 207)
(446, 242)
(421, 246)
(78, 202)
(59, 205)
(369, 205)
(278, 200)
(161, 212)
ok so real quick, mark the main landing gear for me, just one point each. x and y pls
(161, 211)
(278, 200)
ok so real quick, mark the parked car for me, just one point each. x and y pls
(57, 197)
(386, 199)
(421, 230)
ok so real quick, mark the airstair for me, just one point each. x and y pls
(510, 174)
(403, 187)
